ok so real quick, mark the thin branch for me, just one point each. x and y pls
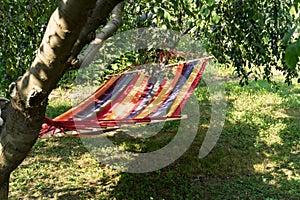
(111, 27)
(97, 18)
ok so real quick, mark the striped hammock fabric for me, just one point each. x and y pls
(129, 99)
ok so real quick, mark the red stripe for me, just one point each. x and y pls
(172, 85)
(137, 99)
(87, 101)
(88, 124)
(190, 91)
(109, 108)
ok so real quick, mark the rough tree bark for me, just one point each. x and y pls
(68, 31)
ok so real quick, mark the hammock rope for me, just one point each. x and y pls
(129, 99)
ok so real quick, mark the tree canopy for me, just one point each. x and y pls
(254, 36)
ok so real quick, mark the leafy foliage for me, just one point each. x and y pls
(21, 29)
(292, 52)
(246, 34)
(150, 61)
(255, 36)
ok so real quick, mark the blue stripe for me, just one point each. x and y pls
(113, 92)
(146, 99)
(168, 102)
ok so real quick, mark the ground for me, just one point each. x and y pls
(257, 156)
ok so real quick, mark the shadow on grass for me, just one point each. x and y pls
(256, 157)
(247, 162)
(54, 111)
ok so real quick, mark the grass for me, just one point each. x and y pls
(256, 157)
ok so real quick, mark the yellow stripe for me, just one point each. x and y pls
(70, 113)
(185, 88)
(156, 103)
(167, 88)
(123, 107)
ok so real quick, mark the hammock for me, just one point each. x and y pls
(129, 99)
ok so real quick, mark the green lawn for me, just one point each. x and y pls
(256, 157)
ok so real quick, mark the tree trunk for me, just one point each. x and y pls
(4, 189)
(24, 114)
(29, 94)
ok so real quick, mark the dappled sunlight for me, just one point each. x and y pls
(257, 154)
(271, 135)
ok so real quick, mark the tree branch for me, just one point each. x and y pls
(98, 17)
(64, 27)
(109, 29)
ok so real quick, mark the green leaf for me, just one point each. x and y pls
(293, 11)
(210, 2)
(215, 17)
(114, 66)
(160, 12)
(288, 36)
(296, 5)
(204, 11)
(167, 15)
(292, 54)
